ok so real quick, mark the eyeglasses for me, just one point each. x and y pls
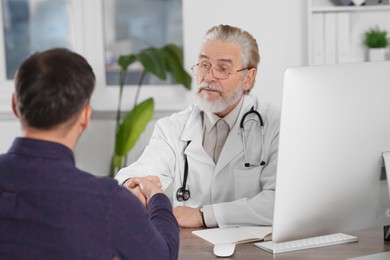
(201, 70)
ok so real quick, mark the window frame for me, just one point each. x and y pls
(89, 41)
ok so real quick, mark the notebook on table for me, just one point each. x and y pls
(235, 235)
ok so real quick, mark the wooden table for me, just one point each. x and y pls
(370, 242)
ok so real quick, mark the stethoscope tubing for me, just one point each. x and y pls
(242, 130)
(183, 194)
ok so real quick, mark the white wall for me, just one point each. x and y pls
(278, 26)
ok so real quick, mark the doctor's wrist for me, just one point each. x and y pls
(209, 216)
(125, 182)
(202, 216)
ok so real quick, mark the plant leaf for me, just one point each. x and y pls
(376, 38)
(174, 50)
(173, 57)
(153, 62)
(132, 126)
(125, 61)
(117, 164)
(159, 62)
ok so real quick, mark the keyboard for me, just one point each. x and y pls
(306, 243)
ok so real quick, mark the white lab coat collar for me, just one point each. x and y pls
(193, 132)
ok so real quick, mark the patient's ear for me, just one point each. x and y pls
(85, 116)
(14, 106)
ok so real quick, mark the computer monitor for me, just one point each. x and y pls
(335, 124)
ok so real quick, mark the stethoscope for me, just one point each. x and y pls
(183, 194)
(242, 123)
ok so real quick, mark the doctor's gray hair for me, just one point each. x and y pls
(250, 56)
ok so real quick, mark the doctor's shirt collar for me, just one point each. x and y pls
(210, 119)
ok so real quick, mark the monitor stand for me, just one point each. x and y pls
(386, 158)
(386, 229)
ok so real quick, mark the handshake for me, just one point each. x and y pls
(144, 187)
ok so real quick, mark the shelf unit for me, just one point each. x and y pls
(357, 9)
(335, 33)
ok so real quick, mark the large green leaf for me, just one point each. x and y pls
(153, 62)
(173, 57)
(174, 50)
(159, 62)
(125, 61)
(132, 126)
(117, 164)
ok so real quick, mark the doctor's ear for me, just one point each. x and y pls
(249, 79)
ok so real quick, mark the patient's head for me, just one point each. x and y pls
(52, 88)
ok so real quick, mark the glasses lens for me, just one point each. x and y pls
(220, 73)
(202, 71)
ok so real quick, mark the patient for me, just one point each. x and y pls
(49, 209)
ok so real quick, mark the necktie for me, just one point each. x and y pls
(222, 133)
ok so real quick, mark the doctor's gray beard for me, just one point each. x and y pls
(219, 105)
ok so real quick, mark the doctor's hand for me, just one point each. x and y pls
(144, 188)
(188, 217)
(154, 179)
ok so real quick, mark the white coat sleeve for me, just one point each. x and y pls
(158, 158)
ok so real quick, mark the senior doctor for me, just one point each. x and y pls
(231, 170)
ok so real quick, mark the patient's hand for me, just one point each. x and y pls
(144, 188)
(137, 192)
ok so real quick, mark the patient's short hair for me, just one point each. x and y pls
(52, 87)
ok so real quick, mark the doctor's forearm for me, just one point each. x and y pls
(209, 216)
(255, 211)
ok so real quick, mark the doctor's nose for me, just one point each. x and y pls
(209, 77)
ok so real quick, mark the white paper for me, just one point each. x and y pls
(235, 235)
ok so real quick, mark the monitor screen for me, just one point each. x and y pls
(335, 125)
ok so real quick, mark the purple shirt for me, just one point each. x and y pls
(49, 209)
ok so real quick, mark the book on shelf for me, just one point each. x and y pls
(343, 37)
(235, 235)
(318, 40)
(330, 38)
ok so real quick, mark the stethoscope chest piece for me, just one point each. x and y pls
(182, 194)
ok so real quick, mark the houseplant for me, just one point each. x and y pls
(159, 62)
(376, 41)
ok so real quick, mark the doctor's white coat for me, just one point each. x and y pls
(238, 195)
